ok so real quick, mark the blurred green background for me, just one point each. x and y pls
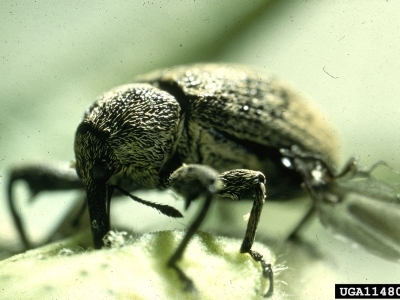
(56, 58)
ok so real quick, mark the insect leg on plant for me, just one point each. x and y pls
(58, 177)
(40, 178)
(193, 181)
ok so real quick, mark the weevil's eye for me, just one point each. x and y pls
(100, 172)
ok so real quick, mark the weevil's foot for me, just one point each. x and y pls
(188, 285)
(270, 291)
(266, 271)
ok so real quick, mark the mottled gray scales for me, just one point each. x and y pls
(226, 117)
(140, 124)
(254, 112)
(250, 105)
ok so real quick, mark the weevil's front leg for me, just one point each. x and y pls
(39, 178)
(237, 183)
(193, 181)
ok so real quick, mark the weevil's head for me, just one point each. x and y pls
(127, 133)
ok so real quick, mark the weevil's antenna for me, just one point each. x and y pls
(162, 208)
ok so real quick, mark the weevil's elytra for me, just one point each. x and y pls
(201, 130)
(248, 105)
(248, 112)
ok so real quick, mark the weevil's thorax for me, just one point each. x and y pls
(139, 127)
(208, 146)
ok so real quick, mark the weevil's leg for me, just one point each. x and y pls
(39, 177)
(186, 239)
(237, 183)
(192, 181)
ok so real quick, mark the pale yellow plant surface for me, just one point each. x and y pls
(136, 270)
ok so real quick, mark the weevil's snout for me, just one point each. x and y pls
(95, 165)
(98, 199)
(98, 195)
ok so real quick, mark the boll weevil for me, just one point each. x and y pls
(201, 130)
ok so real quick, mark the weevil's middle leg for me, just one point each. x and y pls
(191, 181)
(189, 286)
